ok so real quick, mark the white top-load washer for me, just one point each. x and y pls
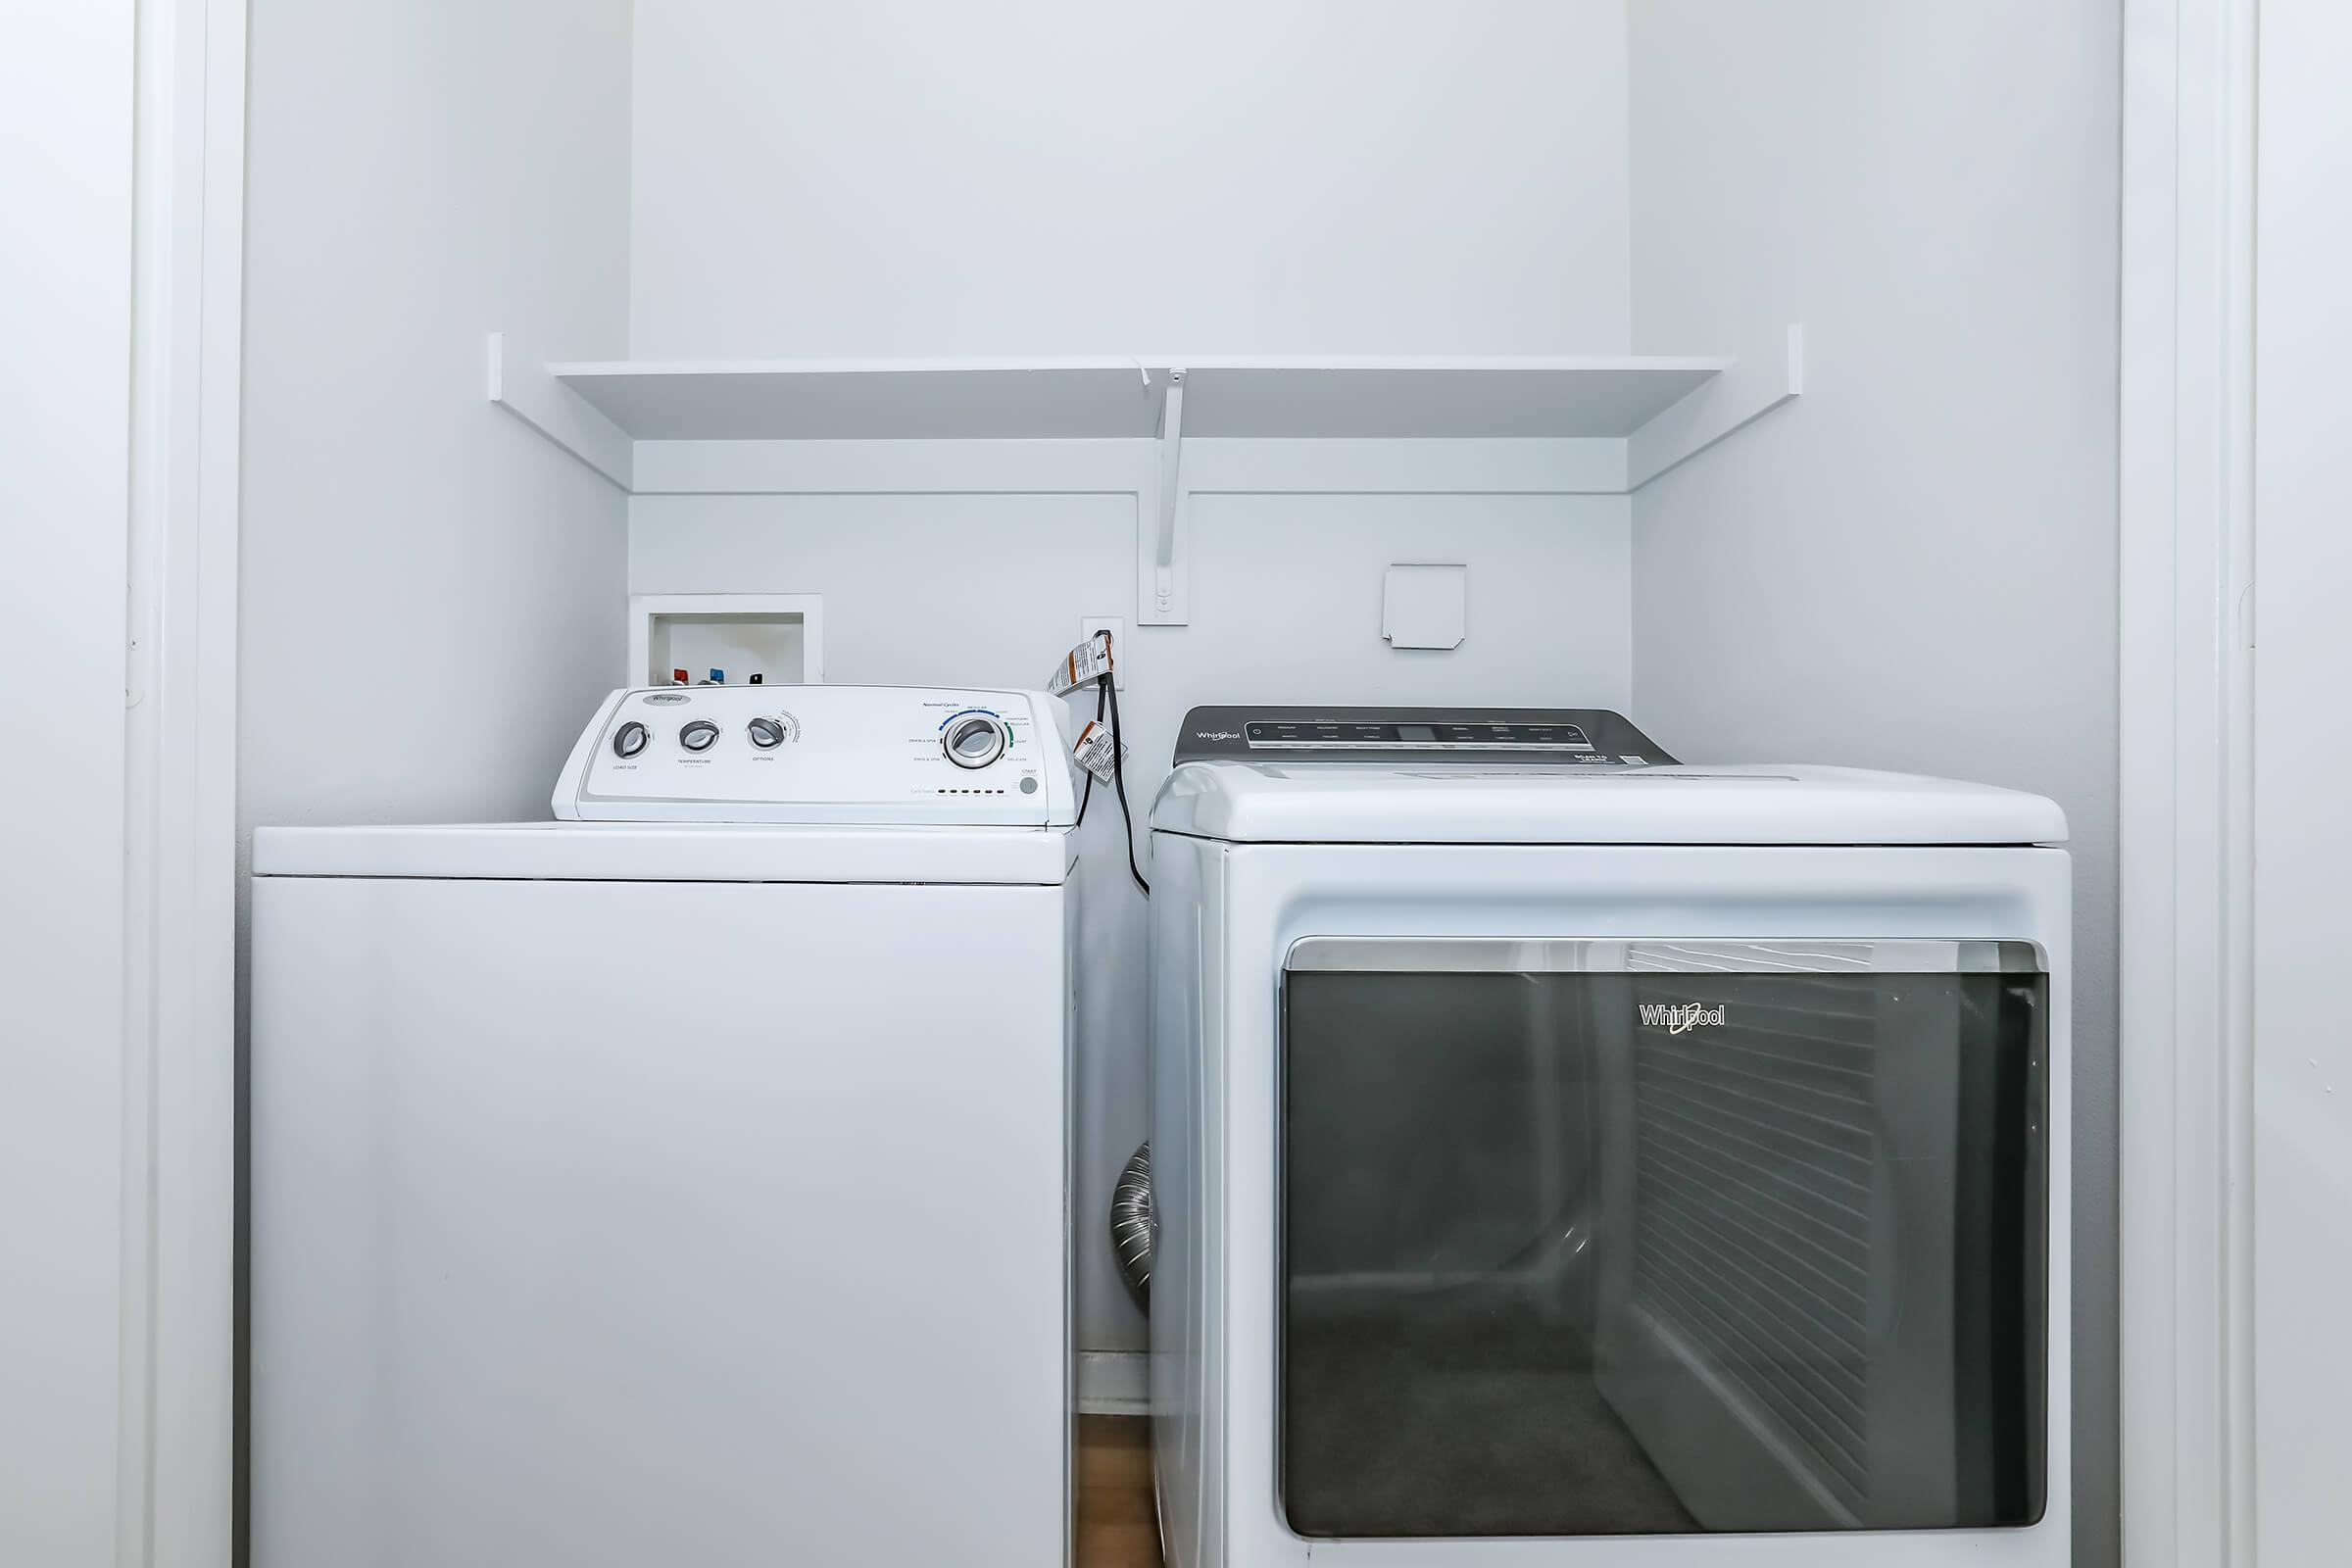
(685, 1182)
(1565, 1157)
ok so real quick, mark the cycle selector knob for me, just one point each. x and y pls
(631, 739)
(698, 735)
(974, 740)
(767, 733)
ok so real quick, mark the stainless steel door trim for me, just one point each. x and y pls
(1369, 954)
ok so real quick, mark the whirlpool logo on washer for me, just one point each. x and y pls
(1681, 1017)
(1216, 734)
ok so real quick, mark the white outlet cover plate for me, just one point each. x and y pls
(1116, 625)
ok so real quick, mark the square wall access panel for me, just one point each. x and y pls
(1425, 605)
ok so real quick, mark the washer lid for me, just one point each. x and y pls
(635, 852)
(1318, 802)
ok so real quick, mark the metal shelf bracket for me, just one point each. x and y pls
(1163, 569)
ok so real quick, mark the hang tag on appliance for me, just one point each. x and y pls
(1098, 751)
(1087, 663)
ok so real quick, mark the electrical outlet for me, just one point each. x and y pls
(1117, 627)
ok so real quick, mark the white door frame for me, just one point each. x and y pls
(178, 1398)
(2187, 767)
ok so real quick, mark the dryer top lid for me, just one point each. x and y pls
(1542, 802)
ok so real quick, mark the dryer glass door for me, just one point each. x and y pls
(1654, 1238)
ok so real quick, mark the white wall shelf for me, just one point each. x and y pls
(824, 400)
(1639, 414)
(833, 399)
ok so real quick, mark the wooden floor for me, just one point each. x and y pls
(1117, 1526)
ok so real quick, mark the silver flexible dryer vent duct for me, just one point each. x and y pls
(1133, 1227)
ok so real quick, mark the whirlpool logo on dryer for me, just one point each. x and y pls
(1681, 1017)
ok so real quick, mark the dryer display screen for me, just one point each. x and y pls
(1380, 737)
(1356, 735)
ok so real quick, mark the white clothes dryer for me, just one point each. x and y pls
(1563, 1156)
(685, 1182)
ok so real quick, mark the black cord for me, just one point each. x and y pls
(1102, 695)
(1107, 697)
(1118, 781)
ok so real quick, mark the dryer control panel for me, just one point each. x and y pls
(1584, 737)
(818, 755)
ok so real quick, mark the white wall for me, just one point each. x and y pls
(924, 177)
(2302, 1099)
(434, 594)
(66, 126)
(1914, 567)
(1285, 608)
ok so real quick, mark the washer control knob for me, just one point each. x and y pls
(631, 739)
(767, 733)
(974, 740)
(698, 736)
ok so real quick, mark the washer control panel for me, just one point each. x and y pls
(845, 755)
